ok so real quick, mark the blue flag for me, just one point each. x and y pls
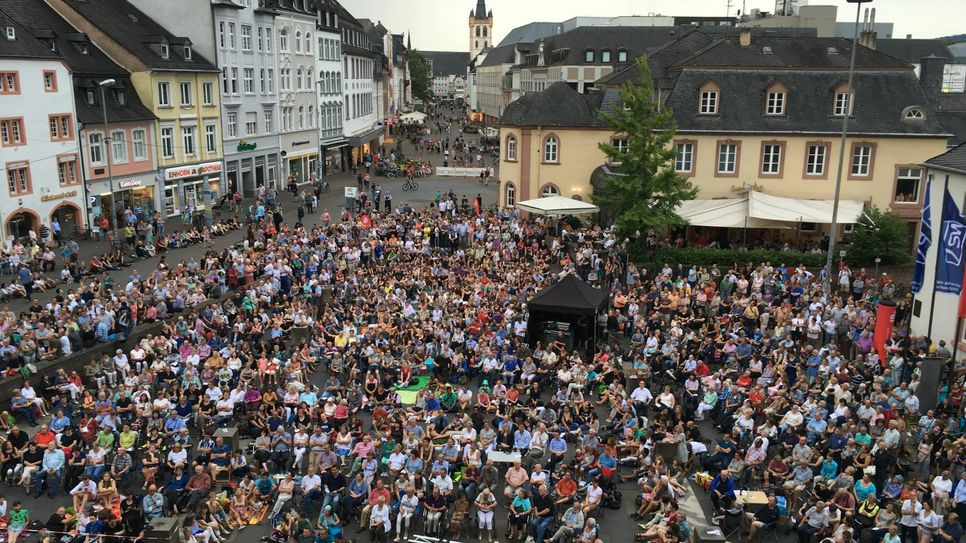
(949, 270)
(925, 241)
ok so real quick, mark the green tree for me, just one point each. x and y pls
(646, 192)
(419, 77)
(879, 234)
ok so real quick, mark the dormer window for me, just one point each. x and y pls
(622, 55)
(91, 97)
(708, 99)
(121, 96)
(187, 52)
(775, 99)
(842, 104)
(605, 56)
(913, 113)
(165, 51)
(52, 45)
(589, 55)
(82, 47)
(11, 33)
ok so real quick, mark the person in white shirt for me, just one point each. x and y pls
(407, 506)
(594, 494)
(380, 522)
(311, 486)
(30, 395)
(83, 492)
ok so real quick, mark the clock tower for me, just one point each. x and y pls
(480, 28)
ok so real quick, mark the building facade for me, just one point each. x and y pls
(298, 95)
(361, 126)
(178, 86)
(752, 114)
(244, 45)
(940, 321)
(38, 134)
(328, 65)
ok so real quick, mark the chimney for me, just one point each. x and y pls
(744, 38)
(867, 37)
(931, 75)
(908, 36)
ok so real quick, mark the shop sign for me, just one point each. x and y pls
(130, 183)
(297, 143)
(192, 171)
(58, 195)
(245, 146)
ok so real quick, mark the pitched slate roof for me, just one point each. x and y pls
(447, 63)
(635, 39)
(658, 59)
(882, 97)
(912, 50)
(502, 54)
(87, 68)
(530, 32)
(557, 105)
(480, 12)
(790, 53)
(138, 33)
(24, 45)
(952, 160)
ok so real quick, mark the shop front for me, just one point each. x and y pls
(332, 159)
(136, 192)
(362, 146)
(300, 166)
(253, 164)
(189, 187)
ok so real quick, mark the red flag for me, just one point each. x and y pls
(962, 299)
(885, 316)
(366, 221)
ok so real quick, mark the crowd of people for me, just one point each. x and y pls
(380, 366)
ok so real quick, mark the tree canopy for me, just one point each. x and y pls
(419, 77)
(645, 191)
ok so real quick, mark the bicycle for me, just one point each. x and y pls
(409, 184)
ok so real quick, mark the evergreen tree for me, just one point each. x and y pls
(645, 191)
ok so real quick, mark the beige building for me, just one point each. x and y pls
(760, 114)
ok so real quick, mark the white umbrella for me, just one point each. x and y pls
(557, 206)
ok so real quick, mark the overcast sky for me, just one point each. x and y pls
(440, 25)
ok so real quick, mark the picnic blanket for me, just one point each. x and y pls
(407, 394)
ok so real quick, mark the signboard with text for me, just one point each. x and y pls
(197, 170)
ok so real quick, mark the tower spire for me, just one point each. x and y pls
(480, 9)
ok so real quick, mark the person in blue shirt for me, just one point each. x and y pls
(606, 464)
(828, 471)
(174, 425)
(816, 427)
(558, 448)
(521, 439)
(51, 470)
(722, 490)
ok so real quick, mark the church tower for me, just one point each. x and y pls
(481, 29)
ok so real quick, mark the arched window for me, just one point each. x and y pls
(511, 147)
(283, 39)
(510, 195)
(477, 31)
(551, 148)
(298, 79)
(548, 191)
(308, 80)
(298, 41)
(484, 31)
(913, 113)
(308, 42)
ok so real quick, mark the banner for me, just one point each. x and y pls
(962, 301)
(949, 265)
(925, 241)
(459, 172)
(884, 317)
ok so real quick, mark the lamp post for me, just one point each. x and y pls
(107, 144)
(850, 104)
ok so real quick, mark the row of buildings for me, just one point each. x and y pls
(182, 101)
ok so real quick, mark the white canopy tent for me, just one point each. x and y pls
(413, 117)
(760, 210)
(557, 206)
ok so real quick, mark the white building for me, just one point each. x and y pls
(297, 99)
(245, 52)
(946, 170)
(361, 124)
(38, 135)
(328, 66)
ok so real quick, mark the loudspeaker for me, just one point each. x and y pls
(930, 371)
(230, 435)
(164, 530)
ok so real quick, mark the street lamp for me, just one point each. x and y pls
(845, 129)
(107, 144)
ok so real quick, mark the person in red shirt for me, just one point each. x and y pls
(378, 491)
(44, 436)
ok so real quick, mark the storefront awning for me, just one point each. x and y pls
(760, 210)
(366, 137)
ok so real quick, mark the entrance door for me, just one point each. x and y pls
(20, 225)
(67, 217)
(170, 201)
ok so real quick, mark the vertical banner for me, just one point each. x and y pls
(884, 318)
(925, 241)
(949, 267)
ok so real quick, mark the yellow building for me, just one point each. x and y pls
(760, 114)
(178, 85)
